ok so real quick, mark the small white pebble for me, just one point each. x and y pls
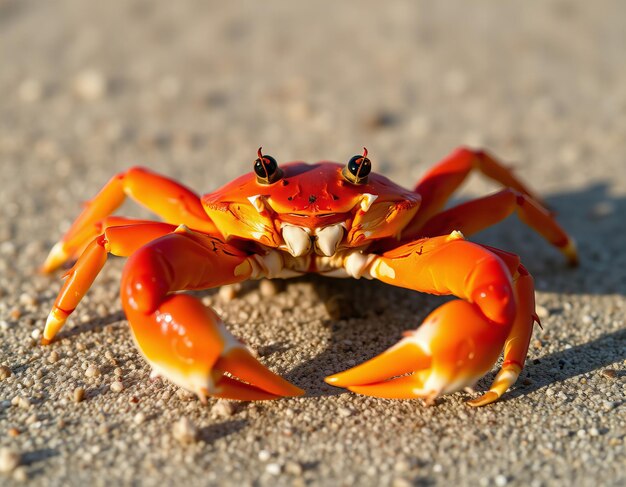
(264, 455)
(139, 418)
(229, 292)
(594, 432)
(184, 431)
(36, 334)
(27, 300)
(345, 412)
(501, 480)
(268, 288)
(437, 468)
(273, 468)
(90, 84)
(9, 460)
(20, 474)
(53, 357)
(117, 386)
(118, 371)
(223, 408)
(92, 371)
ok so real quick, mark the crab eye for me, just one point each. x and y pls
(266, 169)
(358, 168)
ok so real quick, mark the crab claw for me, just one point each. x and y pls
(188, 344)
(454, 347)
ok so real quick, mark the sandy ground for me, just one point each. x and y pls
(191, 90)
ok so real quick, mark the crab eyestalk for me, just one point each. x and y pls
(266, 169)
(358, 168)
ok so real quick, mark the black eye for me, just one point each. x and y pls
(358, 168)
(266, 169)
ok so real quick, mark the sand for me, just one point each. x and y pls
(192, 90)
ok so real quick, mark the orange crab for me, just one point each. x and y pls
(327, 218)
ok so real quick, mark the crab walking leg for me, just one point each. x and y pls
(170, 200)
(476, 215)
(460, 341)
(440, 182)
(183, 340)
(120, 241)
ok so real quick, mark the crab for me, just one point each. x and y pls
(338, 220)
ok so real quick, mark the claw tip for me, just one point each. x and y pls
(487, 398)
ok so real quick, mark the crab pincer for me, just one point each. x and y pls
(461, 340)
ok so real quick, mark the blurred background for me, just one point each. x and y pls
(193, 88)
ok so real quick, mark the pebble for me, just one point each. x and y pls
(5, 372)
(268, 288)
(20, 474)
(501, 480)
(79, 394)
(229, 292)
(92, 371)
(9, 460)
(223, 408)
(36, 334)
(184, 431)
(345, 412)
(273, 468)
(27, 300)
(264, 455)
(22, 402)
(401, 482)
(139, 418)
(53, 357)
(294, 468)
(90, 85)
(117, 386)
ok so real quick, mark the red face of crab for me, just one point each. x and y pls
(301, 207)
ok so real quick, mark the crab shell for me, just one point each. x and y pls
(311, 201)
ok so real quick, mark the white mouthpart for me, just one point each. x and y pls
(367, 201)
(328, 238)
(297, 240)
(257, 202)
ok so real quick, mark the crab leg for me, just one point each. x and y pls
(476, 215)
(182, 339)
(121, 241)
(438, 184)
(170, 200)
(461, 340)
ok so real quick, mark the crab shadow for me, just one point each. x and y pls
(578, 360)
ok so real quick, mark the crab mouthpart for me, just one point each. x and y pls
(297, 240)
(328, 238)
